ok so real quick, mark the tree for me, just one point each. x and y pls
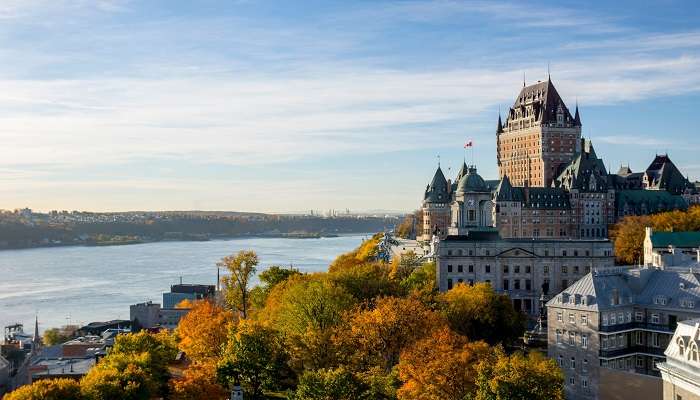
(137, 364)
(407, 227)
(480, 313)
(519, 377)
(55, 336)
(366, 252)
(198, 383)
(270, 278)
(129, 381)
(442, 366)
(305, 310)
(204, 330)
(48, 389)
(255, 357)
(403, 266)
(366, 281)
(330, 384)
(421, 279)
(242, 267)
(376, 337)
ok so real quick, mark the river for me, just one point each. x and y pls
(83, 284)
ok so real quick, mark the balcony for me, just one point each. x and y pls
(637, 325)
(656, 351)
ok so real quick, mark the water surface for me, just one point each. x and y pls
(84, 284)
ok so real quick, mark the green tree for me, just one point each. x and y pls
(306, 309)
(241, 267)
(270, 278)
(54, 336)
(330, 384)
(366, 281)
(479, 313)
(48, 389)
(519, 377)
(255, 357)
(120, 379)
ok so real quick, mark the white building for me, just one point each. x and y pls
(681, 371)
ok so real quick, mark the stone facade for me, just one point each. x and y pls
(522, 269)
(618, 319)
(681, 371)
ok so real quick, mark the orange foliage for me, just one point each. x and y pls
(441, 366)
(204, 330)
(376, 337)
(198, 383)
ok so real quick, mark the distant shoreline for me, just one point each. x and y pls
(208, 239)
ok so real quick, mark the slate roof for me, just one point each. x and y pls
(437, 191)
(545, 99)
(633, 286)
(676, 239)
(648, 201)
(585, 172)
(662, 174)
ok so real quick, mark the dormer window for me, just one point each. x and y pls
(681, 346)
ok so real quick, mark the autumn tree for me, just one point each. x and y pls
(402, 267)
(366, 252)
(330, 384)
(519, 377)
(135, 368)
(204, 330)
(376, 337)
(441, 366)
(270, 278)
(366, 281)
(306, 309)
(255, 357)
(56, 336)
(480, 313)
(241, 268)
(198, 382)
(120, 379)
(48, 389)
(407, 227)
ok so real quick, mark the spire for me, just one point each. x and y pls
(499, 129)
(577, 117)
(523, 78)
(36, 342)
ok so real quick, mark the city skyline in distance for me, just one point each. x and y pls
(261, 107)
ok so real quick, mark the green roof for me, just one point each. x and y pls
(676, 239)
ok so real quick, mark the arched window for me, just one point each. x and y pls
(693, 351)
(681, 346)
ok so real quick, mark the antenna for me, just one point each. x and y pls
(549, 76)
(523, 78)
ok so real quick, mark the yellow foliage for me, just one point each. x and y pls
(49, 389)
(198, 383)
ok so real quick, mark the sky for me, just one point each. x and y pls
(286, 106)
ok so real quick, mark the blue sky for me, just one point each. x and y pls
(286, 106)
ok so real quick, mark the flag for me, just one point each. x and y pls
(468, 144)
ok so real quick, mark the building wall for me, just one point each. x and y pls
(514, 221)
(529, 263)
(576, 354)
(435, 215)
(674, 392)
(533, 155)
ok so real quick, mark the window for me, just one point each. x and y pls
(528, 269)
(638, 316)
(563, 253)
(558, 336)
(654, 318)
(472, 215)
(584, 382)
(449, 252)
(575, 269)
(528, 284)
(572, 318)
(505, 284)
(449, 268)
(584, 341)
(654, 339)
(460, 268)
(572, 338)
(516, 269)
(573, 362)
(560, 360)
(505, 269)
(572, 381)
(584, 319)
(559, 316)
(629, 316)
(613, 319)
(516, 284)
(605, 342)
(449, 284)
(564, 269)
(640, 362)
(545, 269)
(605, 319)
(639, 337)
(487, 268)
(620, 318)
(585, 365)
(471, 268)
